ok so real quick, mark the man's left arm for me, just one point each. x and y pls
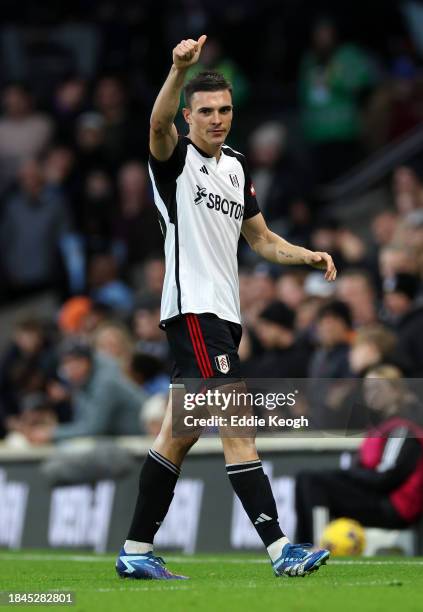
(272, 247)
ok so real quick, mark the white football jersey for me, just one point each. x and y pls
(202, 203)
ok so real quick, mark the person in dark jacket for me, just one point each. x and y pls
(384, 487)
(25, 366)
(284, 356)
(404, 312)
(329, 361)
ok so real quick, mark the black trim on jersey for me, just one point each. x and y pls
(165, 174)
(178, 285)
(251, 207)
(203, 153)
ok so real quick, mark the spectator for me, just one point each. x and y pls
(24, 133)
(73, 313)
(34, 223)
(150, 277)
(113, 340)
(384, 488)
(105, 403)
(24, 368)
(406, 99)
(334, 326)
(106, 287)
(405, 315)
(150, 339)
(290, 288)
(96, 219)
(275, 175)
(333, 78)
(408, 190)
(36, 411)
(394, 259)
(90, 148)
(261, 292)
(413, 230)
(383, 227)
(283, 356)
(60, 171)
(355, 288)
(124, 135)
(149, 372)
(371, 346)
(69, 102)
(136, 224)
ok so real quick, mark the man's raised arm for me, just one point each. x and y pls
(163, 134)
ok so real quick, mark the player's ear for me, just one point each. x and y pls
(187, 115)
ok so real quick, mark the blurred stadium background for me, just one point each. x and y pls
(329, 110)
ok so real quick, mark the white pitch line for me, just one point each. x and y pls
(179, 559)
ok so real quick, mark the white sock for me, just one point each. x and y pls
(131, 547)
(275, 549)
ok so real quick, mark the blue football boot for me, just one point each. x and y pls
(144, 567)
(296, 560)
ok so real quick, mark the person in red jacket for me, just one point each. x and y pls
(384, 487)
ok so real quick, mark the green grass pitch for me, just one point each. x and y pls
(229, 583)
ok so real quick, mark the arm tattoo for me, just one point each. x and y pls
(284, 254)
(290, 256)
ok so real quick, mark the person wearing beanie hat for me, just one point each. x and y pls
(284, 357)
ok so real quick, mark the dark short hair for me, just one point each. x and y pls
(29, 324)
(205, 81)
(338, 310)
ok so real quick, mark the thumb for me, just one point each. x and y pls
(201, 41)
(316, 257)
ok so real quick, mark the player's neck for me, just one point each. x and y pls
(212, 150)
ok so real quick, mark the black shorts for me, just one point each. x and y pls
(204, 348)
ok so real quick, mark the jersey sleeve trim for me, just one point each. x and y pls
(168, 171)
(251, 207)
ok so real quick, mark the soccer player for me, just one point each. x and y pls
(205, 199)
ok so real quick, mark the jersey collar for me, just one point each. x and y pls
(203, 153)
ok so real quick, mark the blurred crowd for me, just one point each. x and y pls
(77, 217)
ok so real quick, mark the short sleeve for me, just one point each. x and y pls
(169, 170)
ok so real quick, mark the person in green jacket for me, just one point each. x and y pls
(333, 78)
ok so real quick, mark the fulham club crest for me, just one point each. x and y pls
(222, 363)
(234, 180)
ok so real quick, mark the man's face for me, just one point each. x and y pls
(397, 303)
(210, 116)
(331, 331)
(28, 341)
(380, 393)
(76, 370)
